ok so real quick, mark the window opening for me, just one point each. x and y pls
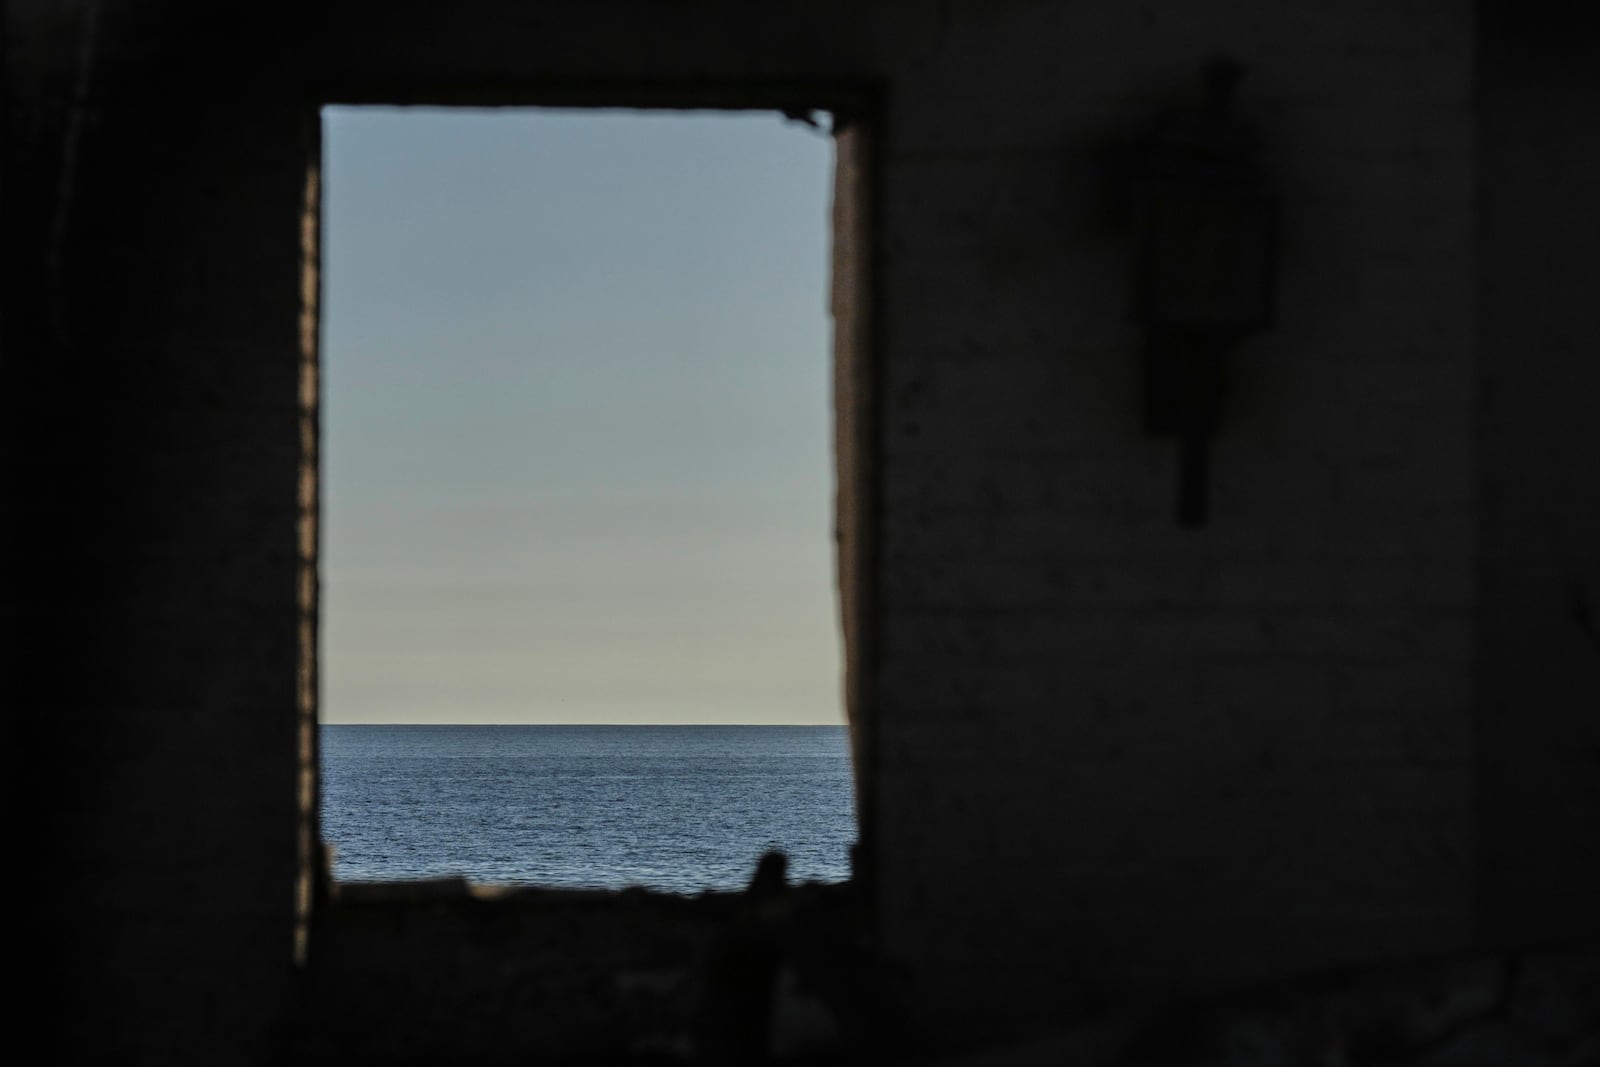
(578, 622)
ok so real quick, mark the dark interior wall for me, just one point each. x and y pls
(1114, 754)
(153, 207)
(1539, 622)
(1120, 756)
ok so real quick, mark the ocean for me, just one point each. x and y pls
(677, 808)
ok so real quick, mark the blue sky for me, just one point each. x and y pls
(577, 431)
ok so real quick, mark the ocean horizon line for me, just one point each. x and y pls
(700, 725)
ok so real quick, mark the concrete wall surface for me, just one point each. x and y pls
(1351, 719)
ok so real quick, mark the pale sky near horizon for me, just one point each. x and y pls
(577, 426)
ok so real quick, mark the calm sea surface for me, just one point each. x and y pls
(681, 808)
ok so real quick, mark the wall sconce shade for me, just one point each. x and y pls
(1204, 270)
(1205, 257)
